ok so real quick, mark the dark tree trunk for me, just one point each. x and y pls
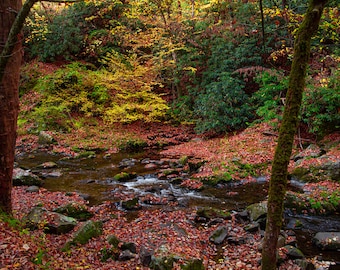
(9, 101)
(278, 181)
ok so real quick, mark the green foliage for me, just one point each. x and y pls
(321, 106)
(78, 30)
(223, 106)
(269, 99)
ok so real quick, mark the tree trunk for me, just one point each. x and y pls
(9, 101)
(278, 181)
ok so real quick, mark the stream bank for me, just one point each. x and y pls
(156, 182)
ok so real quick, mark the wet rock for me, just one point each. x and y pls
(75, 210)
(219, 235)
(86, 155)
(47, 165)
(55, 173)
(52, 222)
(127, 163)
(23, 177)
(327, 240)
(257, 210)
(88, 230)
(124, 176)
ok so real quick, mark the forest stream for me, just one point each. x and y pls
(94, 179)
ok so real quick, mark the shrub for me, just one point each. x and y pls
(223, 106)
(321, 109)
(269, 99)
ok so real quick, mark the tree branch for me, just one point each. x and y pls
(16, 28)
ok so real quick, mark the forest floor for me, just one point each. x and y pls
(173, 230)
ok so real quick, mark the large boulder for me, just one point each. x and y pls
(88, 230)
(327, 240)
(52, 222)
(23, 177)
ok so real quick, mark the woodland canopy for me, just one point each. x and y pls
(217, 64)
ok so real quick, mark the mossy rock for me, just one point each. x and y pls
(109, 253)
(124, 176)
(195, 264)
(132, 145)
(88, 230)
(183, 160)
(212, 213)
(132, 204)
(257, 210)
(113, 240)
(87, 154)
(75, 210)
(23, 177)
(162, 263)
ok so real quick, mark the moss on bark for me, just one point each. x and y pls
(278, 181)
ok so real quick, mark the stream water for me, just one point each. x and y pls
(94, 177)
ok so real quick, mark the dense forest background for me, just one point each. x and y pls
(219, 65)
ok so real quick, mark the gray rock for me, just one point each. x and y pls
(252, 227)
(257, 210)
(23, 177)
(54, 174)
(47, 165)
(126, 255)
(332, 169)
(52, 222)
(32, 189)
(327, 240)
(294, 253)
(219, 235)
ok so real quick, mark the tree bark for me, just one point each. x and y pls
(9, 100)
(288, 128)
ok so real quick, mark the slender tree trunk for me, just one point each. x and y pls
(9, 100)
(278, 181)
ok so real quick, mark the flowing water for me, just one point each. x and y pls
(94, 177)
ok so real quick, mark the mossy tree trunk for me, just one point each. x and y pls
(278, 181)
